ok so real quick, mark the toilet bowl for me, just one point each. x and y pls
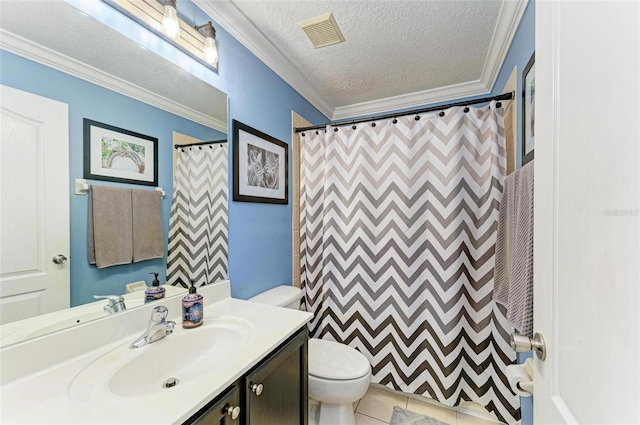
(338, 374)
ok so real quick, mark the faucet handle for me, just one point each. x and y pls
(113, 299)
(159, 314)
(116, 303)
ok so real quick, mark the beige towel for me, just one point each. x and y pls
(148, 233)
(513, 279)
(110, 221)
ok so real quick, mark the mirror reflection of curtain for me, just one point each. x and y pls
(198, 223)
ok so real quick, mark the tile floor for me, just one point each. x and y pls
(376, 407)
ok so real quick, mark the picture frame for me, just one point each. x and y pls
(260, 166)
(118, 155)
(528, 110)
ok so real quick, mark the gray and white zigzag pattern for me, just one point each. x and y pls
(398, 231)
(198, 224)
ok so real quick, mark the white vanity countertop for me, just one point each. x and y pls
(42, 395)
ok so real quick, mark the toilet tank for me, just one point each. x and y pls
(280, 296)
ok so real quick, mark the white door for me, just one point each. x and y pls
(586, 212)
(34, 205)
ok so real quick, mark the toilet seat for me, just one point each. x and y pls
(335, 361)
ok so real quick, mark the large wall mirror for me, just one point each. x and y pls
(54, 51)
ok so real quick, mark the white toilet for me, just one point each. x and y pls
(339, 375)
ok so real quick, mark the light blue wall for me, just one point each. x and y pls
(87, 100)
(260, 235)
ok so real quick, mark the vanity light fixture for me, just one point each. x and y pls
(210, 49)
(160, 16)
(170, 24)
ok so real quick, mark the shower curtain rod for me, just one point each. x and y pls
(505, 96)
(210, 142)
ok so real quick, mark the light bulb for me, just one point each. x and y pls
(170, 24)
(211, 51)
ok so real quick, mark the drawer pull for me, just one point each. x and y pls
(234, 412)
(257, 388)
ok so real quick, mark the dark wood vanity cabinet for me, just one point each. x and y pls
(274, 392)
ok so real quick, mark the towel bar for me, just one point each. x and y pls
(82, 187)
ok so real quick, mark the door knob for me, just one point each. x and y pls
(234, 412)
(257, 388)
(524, 344)
(59, 259)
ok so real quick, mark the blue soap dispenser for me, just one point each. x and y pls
(192, 309)
(155, 291)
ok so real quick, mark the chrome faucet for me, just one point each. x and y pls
(116, 303)
(157, 329)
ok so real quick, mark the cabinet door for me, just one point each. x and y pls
(276, 391)
(223, 410)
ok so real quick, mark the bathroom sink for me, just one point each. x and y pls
(186, 355)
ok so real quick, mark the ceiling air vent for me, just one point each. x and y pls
(322, 31)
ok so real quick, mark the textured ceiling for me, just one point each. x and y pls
(62, 28)
(397, 54)
(392, 48)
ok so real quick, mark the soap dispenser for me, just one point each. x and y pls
(192, 309)
(155, 291)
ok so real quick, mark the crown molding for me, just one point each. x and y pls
(508, 21)
(48, 57)
(411, 100)
(242, 29)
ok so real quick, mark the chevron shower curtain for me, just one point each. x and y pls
(198, 223)
(398, 231)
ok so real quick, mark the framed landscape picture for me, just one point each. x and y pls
(260, 166)
(119, 155)
(528, 109)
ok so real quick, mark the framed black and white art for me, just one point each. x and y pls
(260, 166)
(528, 109)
